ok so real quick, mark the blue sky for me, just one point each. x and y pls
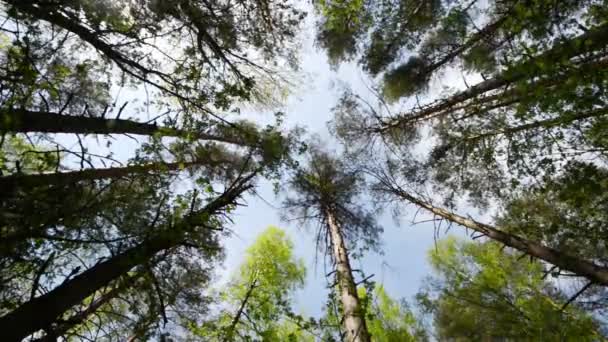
(403, 266)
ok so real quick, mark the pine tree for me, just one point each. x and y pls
(324, 194)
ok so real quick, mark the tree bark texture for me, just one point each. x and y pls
(26, 121)
(584, 268)
(79, 318)
(10, 184)
(353, 320)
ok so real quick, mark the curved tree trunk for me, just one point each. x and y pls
(42, 311)
(353, 320)
(584, 268)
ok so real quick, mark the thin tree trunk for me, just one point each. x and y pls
(548, 123)
(591, 40)
(230, 332)
(487, 103)
(42, 311)
(584, 268)
(477, 37)
(10, 184)
(25, 121)
(353, 320)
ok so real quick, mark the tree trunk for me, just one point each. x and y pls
(591, 40)
(25, 121)
(484, 33)
(353, 320)
(77, 319)
(230, 333)
(14, 182)
(584, 268)
(42, 311)
(565, 118)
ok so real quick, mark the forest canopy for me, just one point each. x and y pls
(134, 133)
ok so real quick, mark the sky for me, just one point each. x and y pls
(403, 265)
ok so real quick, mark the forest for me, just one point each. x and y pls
(134, 134)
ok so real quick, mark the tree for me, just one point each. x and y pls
(324, 193)
(254, 304)
(389, 320)
(210, 40)
(72, 226)
(563, 259)
(541, 100)
(565, 212)
(41, 311)
(480, 292)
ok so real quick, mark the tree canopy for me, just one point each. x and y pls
(130, 137)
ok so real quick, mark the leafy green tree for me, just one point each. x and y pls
(255, 301)
(566, 212)
(479, 293)
(389, 320)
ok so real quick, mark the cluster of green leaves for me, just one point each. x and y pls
(256, 301)
(566, 212)
(480, 292)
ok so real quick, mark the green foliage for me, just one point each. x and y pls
(342, 23)
(389, 320)
(258, 296)
(566, 212)
(405, 79)
(16, 155)
(480, 292)
(326, 184)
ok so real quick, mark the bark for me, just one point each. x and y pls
(79, 318)
(42, 311)
(590, 41)
(581, 267)
(10, 184)
(353, 320)
(26, 121)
